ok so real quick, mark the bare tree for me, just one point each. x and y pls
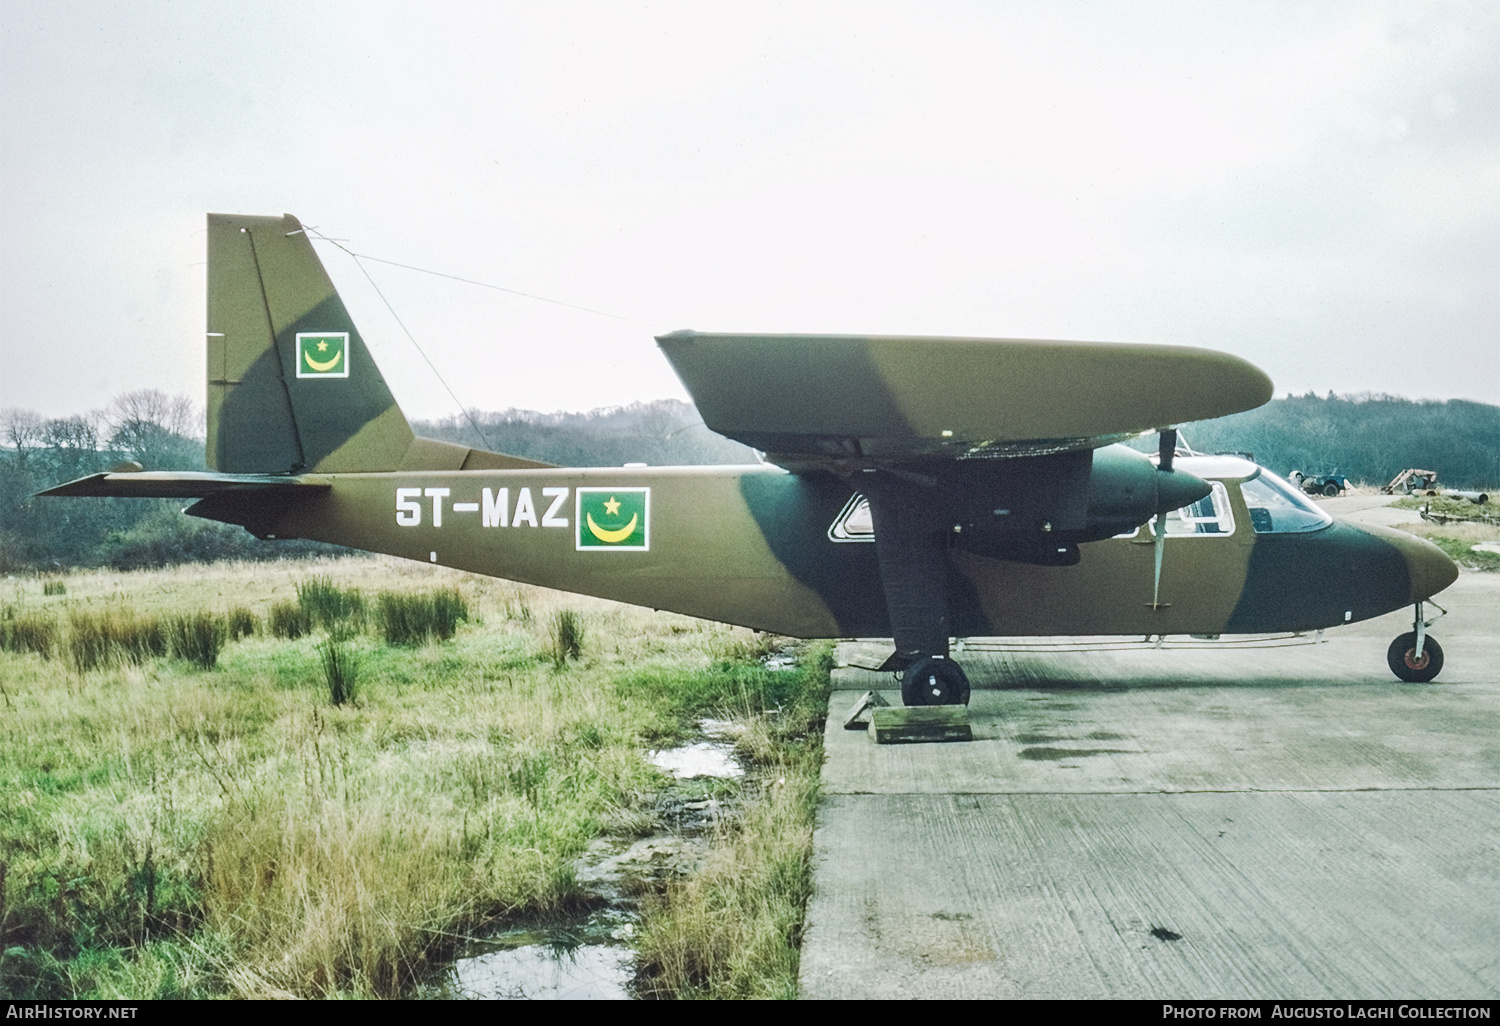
(77, 434)
(22, 431)
(151, 426)
(172, 413)
(655, 427)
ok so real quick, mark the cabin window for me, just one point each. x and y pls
(1278, 508)
(1210, 516)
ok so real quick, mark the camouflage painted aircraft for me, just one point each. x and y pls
(913, 488)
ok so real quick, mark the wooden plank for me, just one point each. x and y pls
(923, 723)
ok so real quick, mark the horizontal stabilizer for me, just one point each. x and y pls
(176, 485)
(839, 396)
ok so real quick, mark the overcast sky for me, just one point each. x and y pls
(1312, 186)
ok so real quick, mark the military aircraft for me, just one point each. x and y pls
(913, 488)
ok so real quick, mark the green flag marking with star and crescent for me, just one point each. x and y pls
(322, 355)
(614, 518)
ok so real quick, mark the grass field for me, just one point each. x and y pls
(1457, 538)
(324, 813)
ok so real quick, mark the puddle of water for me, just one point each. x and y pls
(719, 730)
(585, 960)
(704, 759)
(711, 758)
(589, 957)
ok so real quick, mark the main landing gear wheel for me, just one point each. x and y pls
(1402, 657)
(934, 681)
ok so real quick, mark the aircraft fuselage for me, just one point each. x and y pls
(774, 551)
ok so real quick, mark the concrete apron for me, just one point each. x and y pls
(1261, 823)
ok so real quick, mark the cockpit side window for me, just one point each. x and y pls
(1210, 516)
(1278, 508)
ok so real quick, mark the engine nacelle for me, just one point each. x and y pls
(1040, 509)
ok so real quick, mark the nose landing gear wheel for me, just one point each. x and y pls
(934, 681)
(1404, 663)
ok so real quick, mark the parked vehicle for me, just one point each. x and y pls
(1319, 484)
(1412, 481)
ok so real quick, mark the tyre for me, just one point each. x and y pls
(1330, 489)
(1402, 658)
(933, 680)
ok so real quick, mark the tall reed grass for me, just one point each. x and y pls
(290, 621)
(331, 607)
(115, 635)
(26, 630)
(566, 634)
(241, 623)
(415, 619)
(119, 635)
(198, 638)
(340, 669)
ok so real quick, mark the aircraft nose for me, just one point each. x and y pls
(1428, 566)
(1177, 488)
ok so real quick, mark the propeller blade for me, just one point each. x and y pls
(1159, 545)
(1168, 449)
(1172, 492)
(1175, 488)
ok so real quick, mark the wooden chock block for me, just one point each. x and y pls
(867, 701)
(921, 723)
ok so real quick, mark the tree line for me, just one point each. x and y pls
(1368, 438)
(147, 427)
(666, 432)
(162, 432)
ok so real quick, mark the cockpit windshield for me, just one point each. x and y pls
(1278, 508)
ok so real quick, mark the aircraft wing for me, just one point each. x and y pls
(809, 399)
(162, 484)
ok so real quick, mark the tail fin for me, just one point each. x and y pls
(291, 386)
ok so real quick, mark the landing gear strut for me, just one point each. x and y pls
(1415, 657)
(911, 545)
(934, 680)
